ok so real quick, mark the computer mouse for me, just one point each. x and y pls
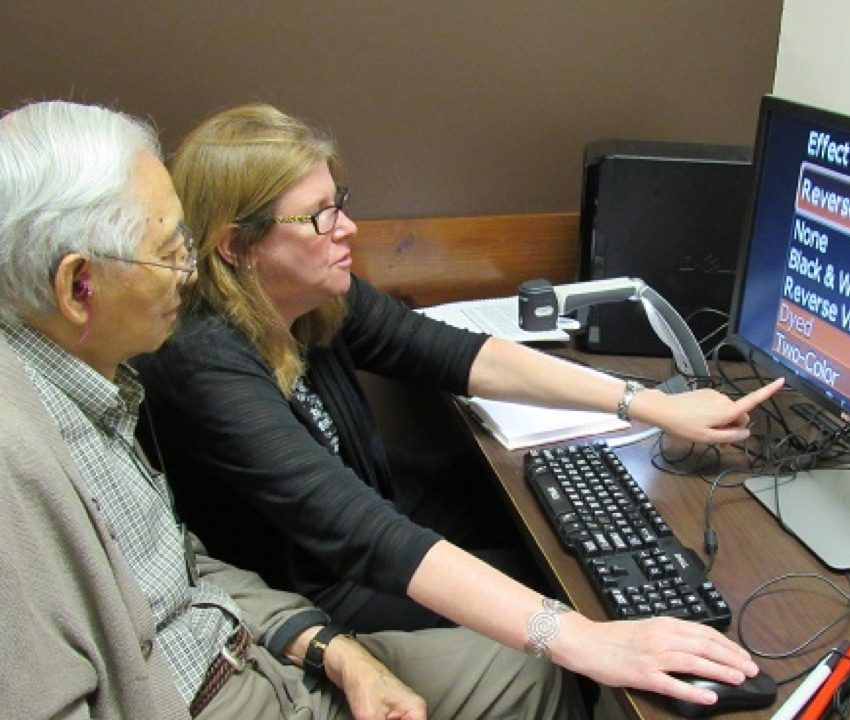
(755, 692)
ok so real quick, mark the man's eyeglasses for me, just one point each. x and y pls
(324, 220)
(185, 270)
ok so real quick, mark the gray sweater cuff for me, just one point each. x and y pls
(292, 628)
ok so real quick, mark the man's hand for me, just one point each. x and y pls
(372, 691)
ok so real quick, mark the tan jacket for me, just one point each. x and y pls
(78, 638)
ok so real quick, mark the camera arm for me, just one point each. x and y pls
(662, 316)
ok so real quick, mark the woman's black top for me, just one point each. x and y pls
(255, 477)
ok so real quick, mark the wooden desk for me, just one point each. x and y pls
(752, 550)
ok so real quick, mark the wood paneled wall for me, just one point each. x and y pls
(427, 261)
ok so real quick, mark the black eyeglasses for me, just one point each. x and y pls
(185, 270)
(324, 220)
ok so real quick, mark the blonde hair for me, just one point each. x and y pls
(233, 168)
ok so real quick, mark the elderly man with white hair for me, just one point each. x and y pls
(109, 607)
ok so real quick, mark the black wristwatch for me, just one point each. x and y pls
(314, 658)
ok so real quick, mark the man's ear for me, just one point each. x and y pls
(72, 288)
(228, 245)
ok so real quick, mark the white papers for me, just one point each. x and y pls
(518, 426)
(497, 317)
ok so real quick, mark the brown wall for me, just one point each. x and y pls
(441, 107)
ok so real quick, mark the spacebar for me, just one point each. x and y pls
(682, 613)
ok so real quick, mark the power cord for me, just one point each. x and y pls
(722, 319)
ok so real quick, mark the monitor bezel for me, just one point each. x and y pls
(769, 105)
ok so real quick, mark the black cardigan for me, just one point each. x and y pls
(253, 475)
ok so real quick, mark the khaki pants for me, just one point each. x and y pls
(461, 675)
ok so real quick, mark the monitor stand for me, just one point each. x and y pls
(815, 506)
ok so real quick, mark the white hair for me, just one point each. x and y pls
(65, 172)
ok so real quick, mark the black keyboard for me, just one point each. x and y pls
(629, 553)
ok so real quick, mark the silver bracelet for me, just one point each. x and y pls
(543, 627)
(632, 388)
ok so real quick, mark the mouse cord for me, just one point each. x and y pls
(711, 540)
(705, 463)
(764, 590)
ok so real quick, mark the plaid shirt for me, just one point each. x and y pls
(97, 419)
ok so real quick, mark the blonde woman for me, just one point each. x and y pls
(269, 440)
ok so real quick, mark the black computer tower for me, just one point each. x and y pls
(671, 214)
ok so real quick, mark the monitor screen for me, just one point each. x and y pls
(791, 303)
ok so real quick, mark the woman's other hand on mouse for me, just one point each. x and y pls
(642, 654)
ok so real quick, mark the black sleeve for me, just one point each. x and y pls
(386, 337)
(235, 427)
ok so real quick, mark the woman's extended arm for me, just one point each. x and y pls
(504, 370)
(635, 653)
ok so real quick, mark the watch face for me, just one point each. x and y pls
(314, 658)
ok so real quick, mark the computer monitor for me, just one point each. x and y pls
(791, 303)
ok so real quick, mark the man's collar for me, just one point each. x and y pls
(94, 394)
